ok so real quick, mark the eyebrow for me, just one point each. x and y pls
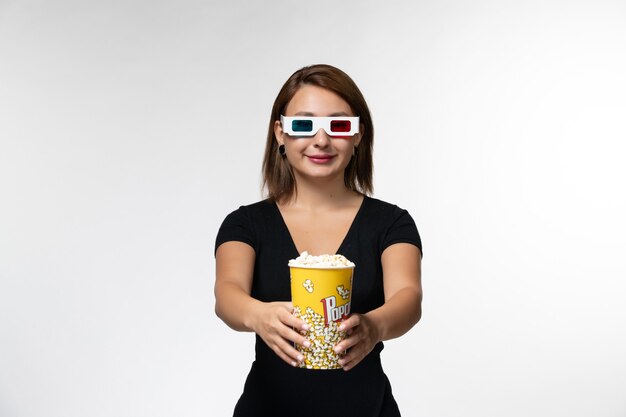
(309, 114)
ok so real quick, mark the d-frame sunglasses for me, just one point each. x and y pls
(308, 126)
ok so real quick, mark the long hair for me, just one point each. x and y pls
(278, 175)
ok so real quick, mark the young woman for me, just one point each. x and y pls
(318, 174)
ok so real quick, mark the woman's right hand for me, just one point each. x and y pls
(275, 324)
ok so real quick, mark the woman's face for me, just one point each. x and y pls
(319, 156)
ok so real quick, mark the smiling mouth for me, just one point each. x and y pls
(320, 159)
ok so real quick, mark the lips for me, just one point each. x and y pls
(321, 158)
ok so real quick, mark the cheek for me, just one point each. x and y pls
(295, 147)
(343, 145)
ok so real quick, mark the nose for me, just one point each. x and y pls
(322, 139)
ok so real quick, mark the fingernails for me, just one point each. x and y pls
(337, 349)
(342, 327)
(300, 358)
(305, 327)
(293, 363)
(341, 362)
(306, 344)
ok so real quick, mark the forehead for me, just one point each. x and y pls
(311, 100)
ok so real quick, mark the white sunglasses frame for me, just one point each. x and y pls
(320, 123)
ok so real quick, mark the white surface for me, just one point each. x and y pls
(121, 153)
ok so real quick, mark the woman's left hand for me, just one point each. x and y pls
(362, 337)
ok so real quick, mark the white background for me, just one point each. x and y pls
(129, 129)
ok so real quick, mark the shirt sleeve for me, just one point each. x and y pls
(401, 230)
(237, 226)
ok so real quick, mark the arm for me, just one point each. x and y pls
(401, 264)
(274, 322)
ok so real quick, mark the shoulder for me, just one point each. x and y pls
(245, 224)
(391, 223)
(251, 210)
(383, 209)
(251, 216)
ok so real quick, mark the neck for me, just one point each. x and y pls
(312, 193)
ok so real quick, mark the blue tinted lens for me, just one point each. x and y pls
(302, 125)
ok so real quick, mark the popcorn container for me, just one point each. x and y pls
(321, 298)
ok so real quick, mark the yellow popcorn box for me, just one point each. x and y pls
(321, 297)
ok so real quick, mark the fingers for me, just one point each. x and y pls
(290, 335)
(348, 342)
(280, 336)
(356, 348)
(361, 339)
(291, 328)
(349, 326)
(350, 323)
(292, 321)
(350, 361)
(287, 352)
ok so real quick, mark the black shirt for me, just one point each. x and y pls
(274, 388)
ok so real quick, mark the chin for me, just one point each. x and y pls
(320, 174)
